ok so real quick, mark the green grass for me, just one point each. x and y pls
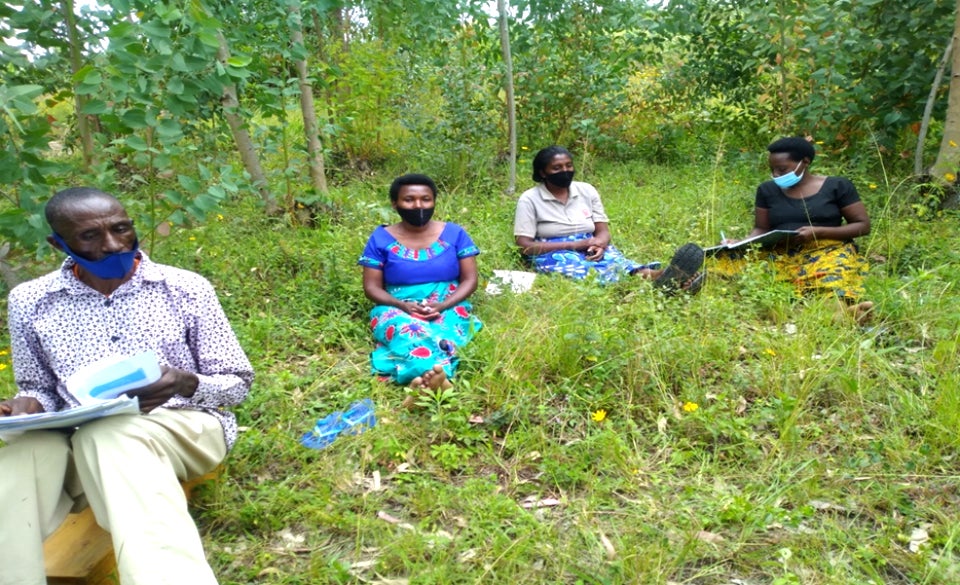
(815, 454)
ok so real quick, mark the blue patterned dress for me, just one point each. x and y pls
(574, 263)
(407, 346)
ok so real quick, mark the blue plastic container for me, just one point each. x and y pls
(358, 417)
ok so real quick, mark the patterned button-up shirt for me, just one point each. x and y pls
(58, 325)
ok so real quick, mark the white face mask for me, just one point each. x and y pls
(790, 179)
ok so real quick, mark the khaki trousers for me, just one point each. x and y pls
(129, 468)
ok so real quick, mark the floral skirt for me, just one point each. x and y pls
(574, 263)
(408, 346)
(818, 267)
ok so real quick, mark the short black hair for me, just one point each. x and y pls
(797, 147)
(55, 210)
(410, 179)
(543, 158)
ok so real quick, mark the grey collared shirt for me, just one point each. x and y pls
(540, 215)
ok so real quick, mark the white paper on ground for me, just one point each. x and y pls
(110, 377)
(517, 281)
(11, 426)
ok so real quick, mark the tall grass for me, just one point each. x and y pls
(748, 436)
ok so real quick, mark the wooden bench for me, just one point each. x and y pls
(81, 553)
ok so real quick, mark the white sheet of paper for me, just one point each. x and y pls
(110, 377)
(517, 281)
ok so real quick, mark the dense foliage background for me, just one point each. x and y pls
(165, 100)
(594, 434)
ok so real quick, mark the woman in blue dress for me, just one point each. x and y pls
(419, 272)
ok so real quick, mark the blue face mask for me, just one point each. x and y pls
(790, 179)
(110, 266)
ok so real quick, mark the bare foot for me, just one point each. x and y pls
(433, 379)
(862, 313)
(647, 273)
(436, 379)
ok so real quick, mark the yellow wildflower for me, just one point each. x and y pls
(599, 416)
(3, 367)
(191, 238)
(949, 177)
(769, 352)
(952, 143)
(4, 352)
(690, 406)
(220, 217)
(872, 185)
(524, 148)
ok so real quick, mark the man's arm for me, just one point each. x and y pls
(35, 381)
(220, 374)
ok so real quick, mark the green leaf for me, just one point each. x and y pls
(174, 197)
(9, 168)
(135, 118)
(13, 92)
(136, 143)
(95, 108)
(206, 202)
(209, 39)
(92, 77)
(239, 60)
(175, 86)
(156, 30)
(169, 131)
(189, 184)
(179, 63)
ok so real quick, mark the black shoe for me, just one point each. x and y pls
(686, 262)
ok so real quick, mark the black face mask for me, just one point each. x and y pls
(561, 179)
(416, 217)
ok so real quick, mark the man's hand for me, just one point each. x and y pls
(172, 382)
(22, 405)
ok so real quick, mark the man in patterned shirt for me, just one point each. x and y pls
(109, 299)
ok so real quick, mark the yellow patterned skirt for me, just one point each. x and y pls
(816, 267)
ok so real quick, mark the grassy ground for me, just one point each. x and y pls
(594, 435)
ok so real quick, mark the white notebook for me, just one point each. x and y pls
(11, 426)
(765, 239)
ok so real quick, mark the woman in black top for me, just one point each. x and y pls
(827, 214)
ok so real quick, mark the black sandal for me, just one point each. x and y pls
(684, 265)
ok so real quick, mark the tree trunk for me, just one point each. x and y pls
(79, 101)
(928, 109)
(248, 154)
(342, 27)
(314, 148)
(948, 159)
(508, 84)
